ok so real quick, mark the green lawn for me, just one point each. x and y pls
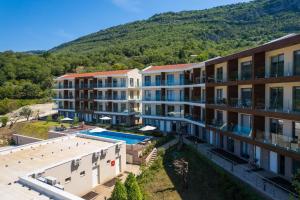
(206, 181)
(37, 129)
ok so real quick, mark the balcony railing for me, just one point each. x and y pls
(240, 103)
(71, 86)
(66, 107)
(283, 141)
(261, 105)
(195, 118)
(174, 83)
(238, 129)
(110, 85)
(219, 124)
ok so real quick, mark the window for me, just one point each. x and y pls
(131, 95)
(171, 110)
(181, 79)
(276, 126)
(138, 82)
(220, 74)
(157, 80)
(246, 70)
(115, 95)
(82, 173)
(158, 110)
(277, 65)
(296, 99)
(219, 96)
(170, 79)
(276, 98)
(100, 107)
(131, 82)
(115, 107)
(219, 117)
(158, 95)
(244, 150)
(123, 82)
(296, 131)
(246, 94)
(115, 82)
(246, 124)
(148, 95)
(147, 80)
(68, 180)
(148, 109)
(123, 95)
(170, 95)
(123, 107)
(297, 62)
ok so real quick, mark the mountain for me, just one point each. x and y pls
(172, 37)
(162, 39)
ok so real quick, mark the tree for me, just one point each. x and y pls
(119, 192)
(133, 188)
(4, 120)
(296, 182)
(182, 169)
(26, 112)
(60, 118)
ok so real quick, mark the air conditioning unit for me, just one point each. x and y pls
(77, 162)
(50, 180)
(59, 186)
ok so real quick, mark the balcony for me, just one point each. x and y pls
(111, 85)
(277, 107)
(218, 124)
(240, 103)
(66, 107)
(85, 86)
(195, 118)
(238, 130)
(283, 141)
(64, 86)
(171, 83)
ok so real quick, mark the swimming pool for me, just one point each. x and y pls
(128, 138)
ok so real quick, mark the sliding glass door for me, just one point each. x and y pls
(277, 66)
(297, 63)
(276, 98)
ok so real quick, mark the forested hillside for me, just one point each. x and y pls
(162, 39)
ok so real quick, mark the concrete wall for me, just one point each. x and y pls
(21, 139)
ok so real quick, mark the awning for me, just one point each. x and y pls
(148, 128)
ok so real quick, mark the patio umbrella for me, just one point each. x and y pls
(97, 130)
(66, 119)
(148, 128)
(105, 118)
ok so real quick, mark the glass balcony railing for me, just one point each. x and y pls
(111, 85)
(283, 141)
(240, 103)
(219, 124)
(238, 130)
(280, 108)
(195, 118)
(62, 86)
(173, 83)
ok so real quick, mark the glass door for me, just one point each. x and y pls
(297, 63)
(276, 98)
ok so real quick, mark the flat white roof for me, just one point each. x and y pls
(22, 160)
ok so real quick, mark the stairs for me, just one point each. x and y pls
(153, 156)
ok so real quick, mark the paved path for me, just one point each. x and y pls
(245, 173)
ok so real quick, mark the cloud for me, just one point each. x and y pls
(128, 5)
(63, 34)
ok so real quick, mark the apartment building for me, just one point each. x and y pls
(91, 96)
(174, 97)
(67, 167)
(253, 104)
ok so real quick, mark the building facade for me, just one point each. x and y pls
(247, 103)
(174, 97)
(252, 105)
(91, 96)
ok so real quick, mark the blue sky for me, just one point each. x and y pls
(43, 24)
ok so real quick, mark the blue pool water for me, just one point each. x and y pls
(128, 138)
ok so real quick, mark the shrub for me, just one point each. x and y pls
(4, 120)
(26, 112)
(49, 119)
(119, 192)
(60, 118)
(76, 121)
(132, 188)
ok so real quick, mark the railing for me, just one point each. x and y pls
(64, 97)
(195, 118)
(110, 85)
(66, 107)
(247, 174)
(219, 124)
(283, 141)
(238, 129)
(240, 103)
(198, 80)
(280, 108)
(65, 86)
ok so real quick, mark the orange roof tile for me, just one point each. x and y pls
(91, 74)
(169, 67)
